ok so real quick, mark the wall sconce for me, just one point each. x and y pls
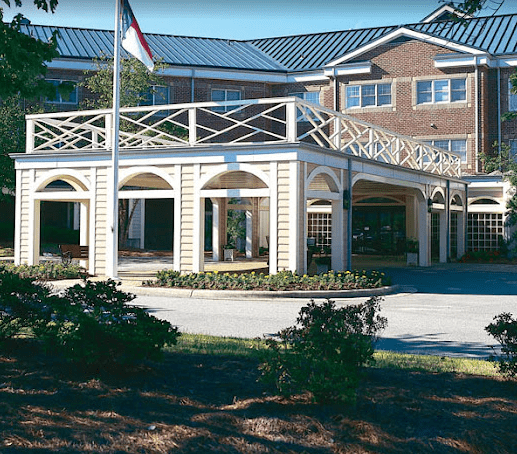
(429, 205)
(434, 126)
(346, 200)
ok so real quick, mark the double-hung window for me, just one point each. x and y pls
(65, 92)
(457, 146)
(220, 95)
(310, 96)
(156, 95)
(512, 98)
(441, 91)
(513, 150)
(368, 95)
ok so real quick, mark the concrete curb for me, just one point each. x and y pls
(242, 294)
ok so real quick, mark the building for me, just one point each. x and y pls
(439, 82)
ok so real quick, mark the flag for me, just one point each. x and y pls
(132, 38)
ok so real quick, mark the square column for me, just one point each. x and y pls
(424, 234)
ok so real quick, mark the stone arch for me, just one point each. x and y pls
(438, 196)
(329, 176)
(457, 199)
(493, 200)
(74, 178)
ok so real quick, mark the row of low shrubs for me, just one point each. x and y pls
(482, 257)
(92, 324)
(282, 281)
(45, 271)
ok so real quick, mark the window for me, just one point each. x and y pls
(368, 95)
(441, 91)
(484, 231)
(221, 95)
(512, 98)
(66, 92)
(310, 96)
(156, 95)
(456, 146)
(513, 150)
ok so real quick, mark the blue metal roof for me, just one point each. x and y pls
(496, 35)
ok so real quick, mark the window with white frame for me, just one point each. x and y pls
(512, 98)
(310, 96)
(65, 92)
(371, 95)
(441, 91)
(156, 95)
(458, 146)
(221, 95)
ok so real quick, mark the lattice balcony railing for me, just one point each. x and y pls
(270, 120)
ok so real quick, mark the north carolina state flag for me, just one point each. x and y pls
(132, 39)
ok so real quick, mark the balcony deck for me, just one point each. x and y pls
(235, 123)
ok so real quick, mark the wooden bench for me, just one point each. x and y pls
(73, 251)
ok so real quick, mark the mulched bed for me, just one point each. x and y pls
(205, 404)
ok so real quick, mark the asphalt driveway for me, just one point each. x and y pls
(440, 310)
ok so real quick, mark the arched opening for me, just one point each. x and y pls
(146, 213)
(235, 217)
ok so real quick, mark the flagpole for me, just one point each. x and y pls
(112, 236)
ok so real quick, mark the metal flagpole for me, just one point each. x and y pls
(112, 236)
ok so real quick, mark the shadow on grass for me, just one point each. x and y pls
(194, 403)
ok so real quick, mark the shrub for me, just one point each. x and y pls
(325, 351)
(21, 303)
(284, 280)
(504, 330)
(94, 325)
(45, 271)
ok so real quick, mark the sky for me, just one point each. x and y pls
(241, 19)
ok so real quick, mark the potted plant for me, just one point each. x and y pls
(412, 251)
(229, 252)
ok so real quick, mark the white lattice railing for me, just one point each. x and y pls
(270, 120)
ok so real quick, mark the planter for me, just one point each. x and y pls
(229, 254)
(412, 258)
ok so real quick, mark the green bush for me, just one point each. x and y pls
(93, 325)
(284, 280)
(504, 330)
(45, 271)
(325, 351)
(21, 303)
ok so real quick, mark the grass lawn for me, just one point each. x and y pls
(204, 397)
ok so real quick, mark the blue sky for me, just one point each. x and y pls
(241, 19)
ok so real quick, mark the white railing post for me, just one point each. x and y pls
(108, 124)
(337, 133)
(29, 141)
(192, 126)
(291, 131)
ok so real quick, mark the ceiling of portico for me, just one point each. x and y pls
(374, 188)
(235, 180)
(146, 181)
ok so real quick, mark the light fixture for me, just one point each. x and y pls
(429, 204)
(346, 200)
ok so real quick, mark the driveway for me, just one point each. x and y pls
(440, 310)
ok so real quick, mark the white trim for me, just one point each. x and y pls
(294, 204)
(453, 61)
(323, 195)
(232, 167)
(325, 170)
(441, 10)
(273, 218)
(127, 173)
(148, 194)
(349, 69)
(31, 214)
(411, 34)
(47, 178)
(62, 196)
(234, 193)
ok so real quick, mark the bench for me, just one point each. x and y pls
(73, 251)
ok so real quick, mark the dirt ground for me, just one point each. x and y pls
(205, 404)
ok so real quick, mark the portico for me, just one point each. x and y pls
(276, 155)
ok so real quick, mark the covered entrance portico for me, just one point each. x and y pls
(264, 153)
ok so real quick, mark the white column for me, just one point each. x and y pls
(443, 236)
(461, 233)
(249, 234)
(273, 218)
(294, 217)
(338, 236)
(424, 233)
(215, 230)
(34, 235)
(18, 219)
(176, 263)
(198, 259)
(83, 228)
(92, 220)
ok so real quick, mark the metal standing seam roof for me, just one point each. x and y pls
(496, 35)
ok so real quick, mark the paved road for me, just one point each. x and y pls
(440, 310)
